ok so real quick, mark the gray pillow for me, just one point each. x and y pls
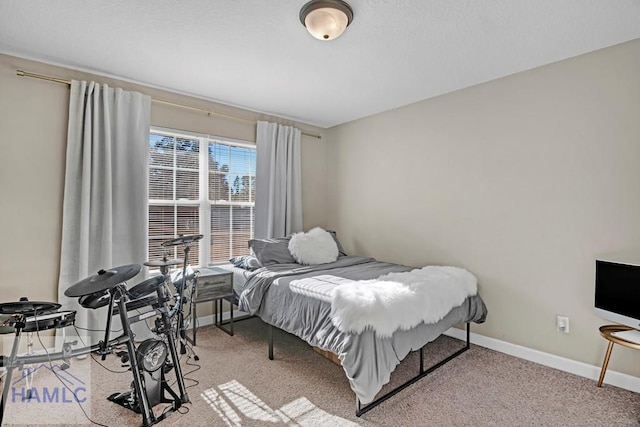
(341, 251)
(248, 262)
(272, 251)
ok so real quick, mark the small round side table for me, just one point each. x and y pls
(608, 332)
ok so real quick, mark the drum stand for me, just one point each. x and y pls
(138, 398)
(181, 329)
(119, 293)
(150, 356)
(186, 241)
(27, 372)
(163, 326)
(11, 364)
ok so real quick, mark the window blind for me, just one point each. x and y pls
(195, 177)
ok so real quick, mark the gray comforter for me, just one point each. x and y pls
(366, 359)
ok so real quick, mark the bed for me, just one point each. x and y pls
(297, 299)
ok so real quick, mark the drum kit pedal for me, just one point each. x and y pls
(149, 362)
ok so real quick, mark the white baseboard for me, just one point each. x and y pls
(627, 382)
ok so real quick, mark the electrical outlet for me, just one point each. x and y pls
(562, 324)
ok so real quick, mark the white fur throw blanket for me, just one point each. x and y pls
(400, 300)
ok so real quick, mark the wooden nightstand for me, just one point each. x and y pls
(213, 284)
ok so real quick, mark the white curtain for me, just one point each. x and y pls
(104, 219)
(278, 183)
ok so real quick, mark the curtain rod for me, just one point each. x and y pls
(22, 73)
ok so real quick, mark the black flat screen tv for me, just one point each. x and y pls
(617, 293)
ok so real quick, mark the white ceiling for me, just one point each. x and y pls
(255, 53)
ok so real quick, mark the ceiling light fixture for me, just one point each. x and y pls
(326, 19)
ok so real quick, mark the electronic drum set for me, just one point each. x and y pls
(149, 362)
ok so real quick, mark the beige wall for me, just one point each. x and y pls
(33, 127)
(522, 180)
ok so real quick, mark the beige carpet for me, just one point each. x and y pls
(237, 385)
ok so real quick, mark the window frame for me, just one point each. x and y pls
(203, 203)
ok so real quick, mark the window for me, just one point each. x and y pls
(200, 184)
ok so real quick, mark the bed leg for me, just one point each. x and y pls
(468, 346)
(421, 360)
(270, 342)
(358, 408)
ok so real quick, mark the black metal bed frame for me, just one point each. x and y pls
(217, 314)
(362, 409)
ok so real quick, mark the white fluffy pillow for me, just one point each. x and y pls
(313, 247)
